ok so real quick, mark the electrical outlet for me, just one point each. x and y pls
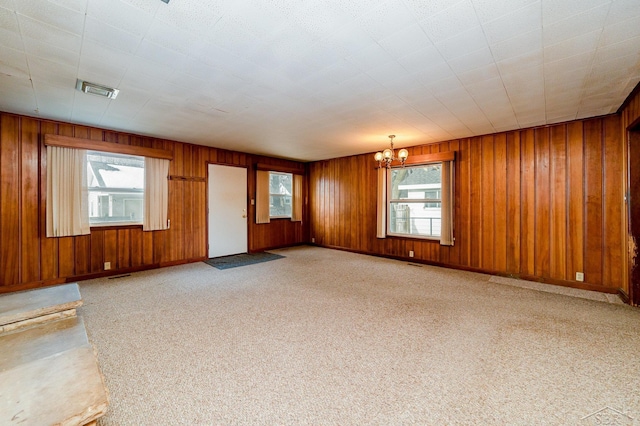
(107, 266)
(313, 240)
(579, 276)
(410, 253)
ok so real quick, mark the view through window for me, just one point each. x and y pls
(116, 188)
(280, 190)
(415, 200)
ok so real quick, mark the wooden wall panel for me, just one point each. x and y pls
(189, 202)
(82, 254)
(527, 203)
(136, 240)
(9, 200)
(48, 246)
(123, 248)
(539, 203)
(28, 259)
(148, 248)
(475, 203)
(500, 203)
(613, 250)
(97, 251)
(462, 220)
(575, 199)
(111, 247)
(513, 203)
(593, 200)
(175, 234)
(558, 202)
(542, 201)
(487, 189)
(30, 215)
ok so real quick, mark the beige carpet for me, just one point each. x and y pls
(329, 337)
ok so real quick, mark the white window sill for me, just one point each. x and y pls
(415, 236)
(110, 224)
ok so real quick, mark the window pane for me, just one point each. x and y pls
(414, 207)
(414, 219)
(280, 190)
(419, 182)
(116, 188)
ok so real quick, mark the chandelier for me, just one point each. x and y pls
(388, 155)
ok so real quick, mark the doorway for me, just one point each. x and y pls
(227, 191)
(634, 215)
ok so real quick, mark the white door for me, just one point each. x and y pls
(227, 210)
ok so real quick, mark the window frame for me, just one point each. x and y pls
(275, 172)
(116, 224)
(422, 201)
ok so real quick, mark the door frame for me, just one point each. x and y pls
(215, 163)
(632, 136)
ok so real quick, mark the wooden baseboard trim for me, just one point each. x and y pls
(46, 283)
(544, 280)
(260, 250)
(31, 285)
(182, 262)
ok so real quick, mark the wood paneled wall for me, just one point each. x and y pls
(540, 203)
(29, 259)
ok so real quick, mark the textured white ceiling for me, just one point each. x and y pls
(318, 79)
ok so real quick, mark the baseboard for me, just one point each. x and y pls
(182, 262)
(260, 250)
(83, 277)
(31, 285)
(544, 280)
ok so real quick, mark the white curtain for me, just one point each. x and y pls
(156, 194)
(262, 197)
(446, 233)
(381, 205)
(296, 212)
(67, 193)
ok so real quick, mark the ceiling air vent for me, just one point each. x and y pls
(96, 89)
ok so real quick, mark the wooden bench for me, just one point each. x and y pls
(48, 370)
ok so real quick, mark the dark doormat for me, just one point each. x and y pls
(227, 262)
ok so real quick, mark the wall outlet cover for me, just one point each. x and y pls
(410, 253)
(107, 266)
(579, 276)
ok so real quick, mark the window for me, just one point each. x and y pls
(415, 204)
(116, 188)
(280, 194)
